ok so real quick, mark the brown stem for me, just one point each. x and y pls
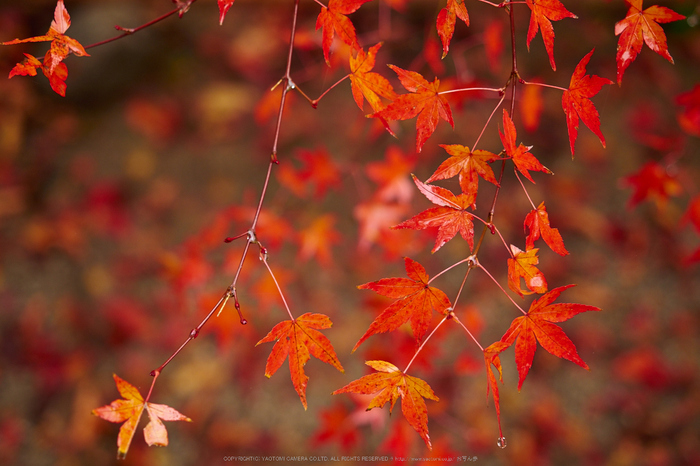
(251, 238)
(129, 31)
(230, 292)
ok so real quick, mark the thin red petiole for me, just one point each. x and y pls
(448, 316)
(454, 317)
(501, 288)
(527, 83)
(500, 102)
(263, 258)
(314, 103)
(525, 190)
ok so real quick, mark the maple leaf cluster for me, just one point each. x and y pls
(61, 45)
(415, 298)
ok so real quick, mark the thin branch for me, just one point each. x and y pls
(501, 288)
(528, 83)
(314, 103)
(230, 292)
(525, 190)
(466, 89)
(454, 317)
(448, 316)
(129, 31)
(263, 258)
(251, 238)
(450, 268)
(498, 105)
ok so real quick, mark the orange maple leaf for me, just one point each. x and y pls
(365, 83)
(318, 173)
(468, 165)
(130, 410)
(537, 324)
(522, 159)
(446, 22)
(391, 384)
(424, 101)
(450, 217)
(391, 175)
(537, 221)
(415, 301)
(641, 26)
(576, 101)
(542, 12)
(522, 265)
(333, 20)
(316, 240)
(298, 340)
(61, 46)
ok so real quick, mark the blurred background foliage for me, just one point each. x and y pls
(115, 200)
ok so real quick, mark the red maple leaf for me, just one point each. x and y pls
(537, 221)
(391, 384)
(61, 46)
(641, 25)
(333, 20)
(491, 359)
(367, 84)
(652, 181)
(450, 217)
(542, 12)
(298, 340)
(522, 265)
(130, 410)
(689, 119)
(415, 301)
(446, 22)
(522, 159)
(577, 104)
(537, 325)
(337, 423)
(424, 101)
(468, 165)
(224, 6)
(319, 171)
